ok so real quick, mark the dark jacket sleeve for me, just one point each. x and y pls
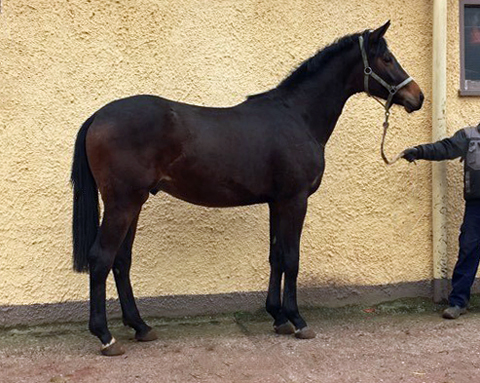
(446, 149)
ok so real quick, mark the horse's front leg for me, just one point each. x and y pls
(274, 302)
(287, 221)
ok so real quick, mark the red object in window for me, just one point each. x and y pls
(475, 36)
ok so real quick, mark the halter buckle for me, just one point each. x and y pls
(368, 71)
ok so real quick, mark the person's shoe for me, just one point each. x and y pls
(453, 312)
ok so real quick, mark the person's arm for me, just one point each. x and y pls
(446, 149)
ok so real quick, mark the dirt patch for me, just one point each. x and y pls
(402, 341)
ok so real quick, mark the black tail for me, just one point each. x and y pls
(85, 202)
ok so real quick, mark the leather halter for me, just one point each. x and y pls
(392, 90)
(368, 72)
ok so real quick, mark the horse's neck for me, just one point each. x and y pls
(324, 114)
(322, 100)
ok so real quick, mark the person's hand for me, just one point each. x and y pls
(410, 154)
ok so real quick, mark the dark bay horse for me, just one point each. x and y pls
(268, 149)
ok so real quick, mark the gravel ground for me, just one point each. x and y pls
(401, 341)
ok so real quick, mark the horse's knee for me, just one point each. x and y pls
(291, 265)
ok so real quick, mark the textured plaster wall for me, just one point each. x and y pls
(62, 60)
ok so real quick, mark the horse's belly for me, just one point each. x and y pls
(210, 194)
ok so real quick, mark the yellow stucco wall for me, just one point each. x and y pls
(61, 60)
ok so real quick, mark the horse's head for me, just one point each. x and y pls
(384, 77)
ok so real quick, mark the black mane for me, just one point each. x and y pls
(310, 67)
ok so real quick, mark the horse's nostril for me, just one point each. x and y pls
(422, 97)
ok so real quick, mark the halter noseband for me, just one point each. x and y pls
(368, 72)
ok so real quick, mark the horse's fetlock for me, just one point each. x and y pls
(272, 309)
(95, 327)
(128, 322)
(290, 313)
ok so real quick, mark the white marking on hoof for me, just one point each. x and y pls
(104, 346)
(300, 329)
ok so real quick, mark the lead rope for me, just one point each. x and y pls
(382, 145)
(386, 124)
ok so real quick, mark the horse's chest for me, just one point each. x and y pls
(304, 169)
(317, 180)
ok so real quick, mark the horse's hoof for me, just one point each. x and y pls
(114, 348)
(284, 329)
(147, 337)
(305, 333)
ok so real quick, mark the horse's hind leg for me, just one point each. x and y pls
(288, 219)
(118, 217)
(121, 271)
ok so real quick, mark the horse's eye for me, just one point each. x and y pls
(387, 59)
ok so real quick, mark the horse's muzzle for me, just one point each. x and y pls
(412, 97)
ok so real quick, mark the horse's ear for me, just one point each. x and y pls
(378, 33)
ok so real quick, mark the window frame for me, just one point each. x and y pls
(463, 91)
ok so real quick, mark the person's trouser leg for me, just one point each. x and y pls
(468, 257)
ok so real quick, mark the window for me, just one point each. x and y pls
(470, 47)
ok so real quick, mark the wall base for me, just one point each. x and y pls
(186, 305)
(441, 288)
